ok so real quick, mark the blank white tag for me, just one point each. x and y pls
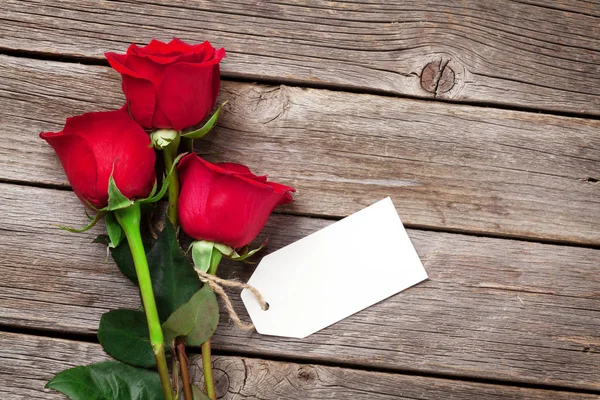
(334, 273)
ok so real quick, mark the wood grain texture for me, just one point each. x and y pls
(445, 166)
(542, 55)
(28, 362)
(492, 308)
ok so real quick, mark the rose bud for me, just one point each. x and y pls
(94, 145)
(169, 85)
(225, 203)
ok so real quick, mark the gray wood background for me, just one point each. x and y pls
(479, 119)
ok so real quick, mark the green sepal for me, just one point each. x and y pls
(199, 394)
(154, 188)
(207, 127)
(246, 253)
(88, 215)
(124, 335)
(156, 197)
(206, 256)
(93, 207)
(201, 254)
(197, 319)
(89, 226)
(116, 199)
(215, 259)
(108, 380)
(226, 250)
(115, 232)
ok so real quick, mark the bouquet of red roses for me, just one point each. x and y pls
(110, 160)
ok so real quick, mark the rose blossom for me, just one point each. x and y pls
(169, 85)
(225, 203)
(91, 145)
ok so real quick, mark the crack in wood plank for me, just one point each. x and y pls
(372, 46)
(477, 170)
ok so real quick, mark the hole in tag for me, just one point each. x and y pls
(267, 306)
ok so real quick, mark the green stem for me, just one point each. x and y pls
(169, 154)
(129, 218)
(209, 381)
(206, 363)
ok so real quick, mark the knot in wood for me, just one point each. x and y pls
(269, 104)
(437, 77)
(306, 374)
(222, 381)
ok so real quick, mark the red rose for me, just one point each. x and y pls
(91, 145)
(225, 203)
(169, 85)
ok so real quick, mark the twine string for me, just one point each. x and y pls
(216, 284)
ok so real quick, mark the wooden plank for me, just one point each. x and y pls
(28, 362)
(492, 308)
(445, 166)
(584, 7)
(541, 56)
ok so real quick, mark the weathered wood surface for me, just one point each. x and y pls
(542, 56)
(445, 166)
(493, 308)
(28, 362)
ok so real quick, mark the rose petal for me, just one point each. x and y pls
(145, 68)
(220, 202)
(119, 63)
(165, 53)
(119, 146)
(216, 83)
(78, 162)
(160, 120)
(154, 47)
(179, 46)
(186, 94)
(185, 78)
(279, 188)
(141, 96)
(240, 169)
(165, 60)
(234, 167)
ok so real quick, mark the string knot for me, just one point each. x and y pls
(216, 284)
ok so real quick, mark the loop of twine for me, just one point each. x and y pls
(216, 284)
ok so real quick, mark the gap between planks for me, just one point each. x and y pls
(30, 361)
(446, 166)
(521, 53)
(337, 218)
(492, 308)
(233, 77)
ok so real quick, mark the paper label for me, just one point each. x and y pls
(334, 273)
